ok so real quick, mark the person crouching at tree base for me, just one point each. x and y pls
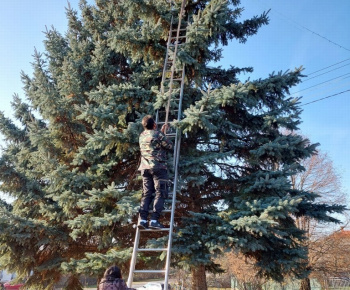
(153, 146)
(112, 280)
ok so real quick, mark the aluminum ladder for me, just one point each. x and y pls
(172, 85)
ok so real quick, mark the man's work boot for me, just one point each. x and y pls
(155, 225)
(142, 225)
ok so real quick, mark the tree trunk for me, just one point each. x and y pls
(199, 281)
(305, 284)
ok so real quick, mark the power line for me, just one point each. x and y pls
(325, 73)
(324, 98)
(313, 32)
(327, 67)
(320, 83)
(324, 37)
(327, 90)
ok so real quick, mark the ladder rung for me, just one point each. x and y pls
(152, 249)
(175, 99)
(175, 30)
(164, 210)
(179, 69)
(175, 110)
(153, 230)
(175, 70)
(180, 36)
(162, 112)
(171, 135)
(173, 45)
(163, 122)
(174, 79)
(183, 20)
(149, 271)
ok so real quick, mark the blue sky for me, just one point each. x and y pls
(313, 34)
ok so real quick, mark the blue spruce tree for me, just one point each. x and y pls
(70, 161)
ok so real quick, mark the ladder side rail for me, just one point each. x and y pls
(174, 60)
(167, 108)
(166, 57)
(165, 64)
(177, 153)
(179, 115)
(175, 164)
(172, 216)
(133, 258)
(183, 4)
(157, 116)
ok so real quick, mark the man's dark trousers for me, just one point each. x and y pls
(155, 181)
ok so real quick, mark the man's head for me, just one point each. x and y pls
(112, 273)
(148, 122)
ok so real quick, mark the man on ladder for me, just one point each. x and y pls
(153, 167)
